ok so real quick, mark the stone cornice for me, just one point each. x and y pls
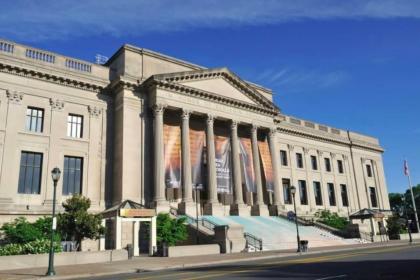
(328, 138)
(190, 91)
(224, 73)
(60, 80)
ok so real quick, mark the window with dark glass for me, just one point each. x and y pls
(283, 158)
(303, 192)
(299, 160)
(369, 170)
(373, 199)
(340, 166)
(30, 173)
(327, 164)
(72, 175)
(314, 163)
(75, 126)
(344, 196)
(318, 193)
(331, 194)
(34, 119)
(286, 192)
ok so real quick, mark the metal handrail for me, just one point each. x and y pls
(252, 240)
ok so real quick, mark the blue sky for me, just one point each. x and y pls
(349, 64)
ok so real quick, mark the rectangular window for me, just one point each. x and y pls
(318, 193)
(299, 160)
(303, 192)
(34, 119)
(74, 126)
(340, 166)
(30, 173)
(327, 164)
(344, 196)
(283, 158)
(373, 199)
(286, 192)
(314, 163)
(331, 194)
(72, 175)
(369, 170)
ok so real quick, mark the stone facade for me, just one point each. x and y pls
(124, 105)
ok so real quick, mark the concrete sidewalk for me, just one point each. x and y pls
(140, 264)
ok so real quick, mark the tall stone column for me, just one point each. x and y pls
(187, 205)
(159, 168)
(272, 142)
(259, 208)
(238, 208)
(213, 207)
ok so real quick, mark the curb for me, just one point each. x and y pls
(221, 262)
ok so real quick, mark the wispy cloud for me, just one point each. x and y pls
(51, 19)
(302, 79)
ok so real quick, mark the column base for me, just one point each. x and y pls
(214, 209)
(260, 210)
(162, 206)
(240, 210)
(188, 208)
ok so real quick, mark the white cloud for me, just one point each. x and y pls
(51, 19)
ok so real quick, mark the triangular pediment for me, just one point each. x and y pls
(220, 82)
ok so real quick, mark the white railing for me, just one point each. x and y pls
(6, 47)
(77, 65)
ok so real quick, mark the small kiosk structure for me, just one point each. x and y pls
(129, 211)
(376, 222)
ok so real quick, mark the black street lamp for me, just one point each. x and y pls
(407, 220)
(55, 174)
(293, 192)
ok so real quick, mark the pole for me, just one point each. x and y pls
(407, 223)
(196, 214)
(297, 226)
(413, 202)
(51, 271)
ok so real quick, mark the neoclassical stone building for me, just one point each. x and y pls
(154, 129)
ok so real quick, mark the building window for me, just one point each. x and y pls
(75, 126)
(314, 163)
(34, 119)
(369, 170)
(331, 194)
(299, 160)
(286, 192)
(344, 196)
(30, 173)
(303, 192)
(318, 193)
(373, 199)
(283, 158)
(327, 164)
(340, 166)
(72, 175)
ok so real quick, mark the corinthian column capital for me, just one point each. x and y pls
(185, 115)
(158, 109)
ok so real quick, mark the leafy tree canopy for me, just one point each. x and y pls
(331, 219)
(20, 231)
(170, 231)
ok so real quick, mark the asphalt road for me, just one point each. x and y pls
(402, 262)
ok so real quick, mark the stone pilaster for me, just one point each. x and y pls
(213, 207)
(238, 208)
(159, 165)
(187, 206)
(259, 208)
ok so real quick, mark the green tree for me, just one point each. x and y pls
(170, 231)
(20, 231)
(395, 226)
(76, 223)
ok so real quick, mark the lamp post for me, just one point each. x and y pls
(293, 192)
(55, 174)
(407, 221)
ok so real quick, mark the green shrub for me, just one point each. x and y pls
(20, 231)
(331, 219)
(40, 246)
(170, 231)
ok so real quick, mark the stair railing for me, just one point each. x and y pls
(253, 241)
